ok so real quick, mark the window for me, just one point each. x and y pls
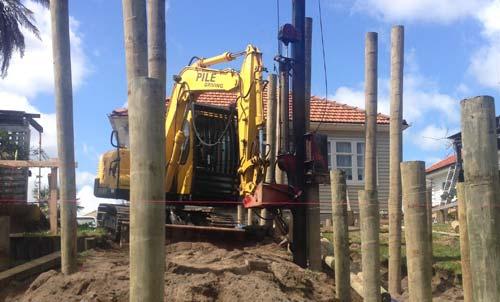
(348, 155)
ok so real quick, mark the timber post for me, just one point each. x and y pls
(65, 133)
(136, 43)
(396, 155)
(370, 253)
(416, 231)
(480, 162)
(340, 236)
(147, 190)
(53, 201)
(368, 199)
(464, 243)
(428, 207)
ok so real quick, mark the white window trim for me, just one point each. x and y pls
(353, 141)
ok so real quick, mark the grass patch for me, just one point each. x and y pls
(446, 249)
(82, 231)
(443, 227)
(85, 231)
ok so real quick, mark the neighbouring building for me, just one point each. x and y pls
(437, 176)
(15, 134)
(344, 126)
(443, 175)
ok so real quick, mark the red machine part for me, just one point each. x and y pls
(272, 196)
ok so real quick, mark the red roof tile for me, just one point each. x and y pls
(322, 110)
(442, 164)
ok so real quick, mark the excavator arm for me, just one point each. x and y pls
(198, 78)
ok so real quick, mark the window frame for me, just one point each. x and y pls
(332, 164)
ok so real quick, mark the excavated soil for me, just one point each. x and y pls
(194, 272)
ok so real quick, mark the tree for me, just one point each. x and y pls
(14, 16)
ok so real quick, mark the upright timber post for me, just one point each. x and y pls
(480, 162)
(311, 186)
(340, 236)
(53, 201)
(464, 243)
(65, 136)
(136, 43)
(396, 155)
(147, 136)
(428, 207)
(416, 231)
(272, 101)
(299, 129)
(147, 193)
(368, 200)
(157, 60)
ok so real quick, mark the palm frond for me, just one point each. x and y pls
(14, 16)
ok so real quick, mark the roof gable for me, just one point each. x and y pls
(442, 164)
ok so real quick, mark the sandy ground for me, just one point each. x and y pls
(205, 272)
(194, 272)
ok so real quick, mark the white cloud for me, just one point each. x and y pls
(439, 11)
(432, 138)
(88, 201)
(485, 61)
(421, 96)
(489, 16)
(485, 65)
(463, 89)
(84, 178)
(33, 73)
(85, 193)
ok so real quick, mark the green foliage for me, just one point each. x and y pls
(446, 249)
(10, 149)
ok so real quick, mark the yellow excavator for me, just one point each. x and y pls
(216, 156)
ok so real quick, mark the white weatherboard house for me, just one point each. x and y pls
(438, 176)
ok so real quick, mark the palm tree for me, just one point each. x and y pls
(14, 15)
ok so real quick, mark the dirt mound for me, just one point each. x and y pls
(194, 272)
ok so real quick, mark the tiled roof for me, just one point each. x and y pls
(322, 110)
(442, 164)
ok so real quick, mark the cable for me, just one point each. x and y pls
(324, 64)
(222, 134)
(192, 60)
(261, 217)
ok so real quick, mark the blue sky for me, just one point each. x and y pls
(452, 51)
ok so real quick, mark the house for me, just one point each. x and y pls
(436, 176)
(344, 126)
